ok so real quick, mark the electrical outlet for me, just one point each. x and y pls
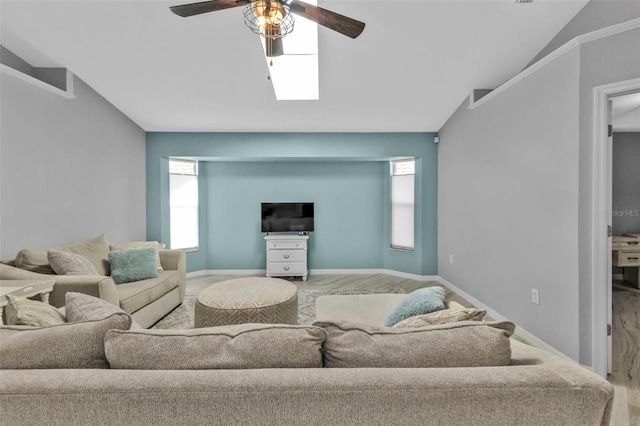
(451, 258)
(535, 296)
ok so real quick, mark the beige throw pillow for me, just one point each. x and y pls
(460, 344)
(141, 244)
(82, 307)
(95, 250)
(65, 263)
(443, 317)
(22, 311)
(242, 346)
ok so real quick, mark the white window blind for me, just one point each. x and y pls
(402, 204)
(183, 204)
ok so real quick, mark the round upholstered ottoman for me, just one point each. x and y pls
(245, 300)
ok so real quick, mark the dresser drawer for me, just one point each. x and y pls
(626, 258)
(284, 245)
(286, 256)
(287, 268)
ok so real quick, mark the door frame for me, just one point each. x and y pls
(600, 203)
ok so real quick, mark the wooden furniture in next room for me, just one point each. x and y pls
(626, 254)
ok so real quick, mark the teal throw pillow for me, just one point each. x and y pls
(419, 302)
(133, 265)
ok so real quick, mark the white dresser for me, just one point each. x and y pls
(287, 256)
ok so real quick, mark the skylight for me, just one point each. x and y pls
(294, 75)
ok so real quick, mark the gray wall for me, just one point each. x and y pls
(70, 169)
(626, 183)
(508, 202)
(515, 193)
(594, 15)
(348, 201)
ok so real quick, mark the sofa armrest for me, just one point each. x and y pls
(523, 355)
(98, 286)
(176, 260)
(93, 285)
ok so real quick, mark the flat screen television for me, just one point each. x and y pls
(287, 217)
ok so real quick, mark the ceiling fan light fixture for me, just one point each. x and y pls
(268, 18)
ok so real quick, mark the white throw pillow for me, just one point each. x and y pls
(442, 317)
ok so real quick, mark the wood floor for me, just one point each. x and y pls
(625, 376)
(626, 329)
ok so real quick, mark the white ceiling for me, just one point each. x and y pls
(411, 68)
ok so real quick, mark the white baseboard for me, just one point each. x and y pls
(422, 278)
(345, 271)
(520, 332)
(226, 272)
(197, 274)
(406, 275)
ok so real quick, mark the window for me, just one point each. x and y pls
(402, 204)
(183, 204)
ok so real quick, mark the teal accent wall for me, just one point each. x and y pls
(346, 175)
(348, 199)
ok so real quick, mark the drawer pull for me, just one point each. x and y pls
(634, 258)
(286, 268)
(286, 256)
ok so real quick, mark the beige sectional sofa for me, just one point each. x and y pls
(221, 376)
(146, 300)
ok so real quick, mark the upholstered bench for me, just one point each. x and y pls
(247, 300)
(365, 308)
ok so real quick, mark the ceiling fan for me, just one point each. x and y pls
(272, 19)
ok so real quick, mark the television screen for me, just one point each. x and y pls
(287, 217)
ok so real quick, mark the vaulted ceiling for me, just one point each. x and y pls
(408, 72)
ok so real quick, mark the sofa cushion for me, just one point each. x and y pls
(69, 345)
(141, 244)
(242, 346)
(65, 263)
(421, 301)
(82, 307)
(96, 250)
(136, 295)
(461, 344)
(443, 316)
(22, 311)
(133, 264)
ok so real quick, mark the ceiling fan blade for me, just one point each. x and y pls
(206, 6)
(326, 18)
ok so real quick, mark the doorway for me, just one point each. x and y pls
(601, 213)
(624, 373)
